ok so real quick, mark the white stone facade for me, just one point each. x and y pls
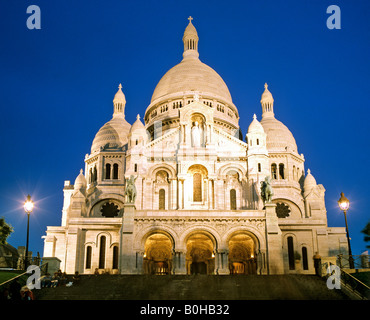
(198, 207)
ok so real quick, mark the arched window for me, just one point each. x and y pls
(95, 176)
(281, 171)
(115, 257)
(259, 167)
(304, 258)
(258, 142)
(273, 171)
(107, 171)
(297, 176)
(135, 167)
(91, 176)
(197, 187)
(102, 252)
(115, 171)
(294, 173)
(232, 199)
(88, 257)
(291, 253)
(162, 199)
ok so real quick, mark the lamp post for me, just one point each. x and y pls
(28, 207)
(343, 203)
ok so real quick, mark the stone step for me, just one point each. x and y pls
(196, 287)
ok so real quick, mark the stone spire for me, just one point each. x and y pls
(267, 103)
(190, 40)
(119, 103)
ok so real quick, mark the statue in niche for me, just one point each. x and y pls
(196, 135)
(131, 190)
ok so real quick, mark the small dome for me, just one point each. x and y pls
(137, 125)
(309, 181)
(255, 126)
(80, 181)
(112, 135)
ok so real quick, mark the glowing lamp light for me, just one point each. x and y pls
(28, 205)
(343, 202)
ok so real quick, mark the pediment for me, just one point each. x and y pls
(193, 108)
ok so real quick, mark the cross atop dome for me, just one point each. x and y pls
(120, 86)
(190, 40)
(266, 86)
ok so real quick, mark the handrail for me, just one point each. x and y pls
(10, 280)
(363, 284)
(18, 276)
(359, 288)
(355, 284)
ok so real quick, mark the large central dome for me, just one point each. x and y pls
(190, 78)
(192, 75)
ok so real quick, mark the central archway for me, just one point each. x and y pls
(242, 254)
(200, 258)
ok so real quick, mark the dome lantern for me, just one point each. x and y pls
(190, 40)
(119, 103)
(267, 103)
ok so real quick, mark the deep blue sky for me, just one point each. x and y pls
(57, 86)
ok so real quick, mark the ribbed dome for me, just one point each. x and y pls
(279, 138)
(112, 135)
(192, 75)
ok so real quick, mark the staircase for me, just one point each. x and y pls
(196, 287)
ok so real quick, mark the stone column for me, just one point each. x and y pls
(224, 268)
(210, 198)
(139, 262)
(217, 262)
(180, 262)
(71, 249)
(173, 200)
(127, 256)
(275, 263)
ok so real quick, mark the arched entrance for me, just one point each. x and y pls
(242, 254)
(158, 254)
(200, 258)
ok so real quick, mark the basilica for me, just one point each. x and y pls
(179, 191)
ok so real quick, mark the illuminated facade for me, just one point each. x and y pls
(198, 206)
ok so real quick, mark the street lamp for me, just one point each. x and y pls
(343, 203)
(28, 207)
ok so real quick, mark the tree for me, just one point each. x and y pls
(366, 231)
(5, 230)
